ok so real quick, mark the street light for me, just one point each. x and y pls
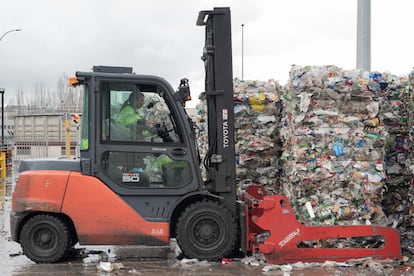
(2, 93)
(242, 27)
(16, 30)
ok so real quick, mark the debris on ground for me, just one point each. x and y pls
(109, 266)
(284, 268)
(188, 263)
(175, 248)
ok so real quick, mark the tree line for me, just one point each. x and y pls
(61, 97)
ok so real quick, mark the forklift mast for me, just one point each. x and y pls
(217, 56)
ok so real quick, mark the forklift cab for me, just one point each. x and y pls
(131, 156)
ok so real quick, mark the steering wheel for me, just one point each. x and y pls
(164, 132)
(144, 131)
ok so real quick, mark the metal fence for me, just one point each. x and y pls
(39, 110)
(31, 147)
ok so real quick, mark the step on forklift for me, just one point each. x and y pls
(141, 183)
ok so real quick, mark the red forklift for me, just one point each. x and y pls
(142, 184)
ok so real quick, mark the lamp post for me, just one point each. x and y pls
(15, 30)
(2, 93)
(242, 27)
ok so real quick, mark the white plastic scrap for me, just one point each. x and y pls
(108, 266)
(192, 263)
(284, 268)
(255, 260)
(92, 258)
(175, 247)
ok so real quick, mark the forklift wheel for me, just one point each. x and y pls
(45, 239)
(207, 231)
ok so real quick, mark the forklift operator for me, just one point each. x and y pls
(132, 114)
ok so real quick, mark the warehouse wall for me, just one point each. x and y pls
(38, 136)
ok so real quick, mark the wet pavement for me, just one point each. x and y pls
(139, 260)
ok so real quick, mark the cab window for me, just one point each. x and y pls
(136, 113)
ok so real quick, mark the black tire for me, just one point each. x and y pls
(45, 239)
(206, 231)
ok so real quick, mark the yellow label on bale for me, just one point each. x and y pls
(257, 102)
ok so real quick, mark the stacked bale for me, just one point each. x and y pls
(257, 110)
(333, 145)
(398, 119)
(257, 107)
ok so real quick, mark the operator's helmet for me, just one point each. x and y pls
(137, 98)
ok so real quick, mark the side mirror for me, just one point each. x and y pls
(183, 93)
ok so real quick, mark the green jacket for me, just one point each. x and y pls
(127, 116)
(128, 119)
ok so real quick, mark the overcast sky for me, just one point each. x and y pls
(160, 37)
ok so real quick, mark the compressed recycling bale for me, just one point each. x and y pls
(333, 140)
(256, 107)
(348, 148)
(257, 116)
(398, 113)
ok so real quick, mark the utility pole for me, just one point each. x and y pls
(242, 25)
(363, 60)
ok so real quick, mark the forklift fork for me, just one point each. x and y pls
(273, 230)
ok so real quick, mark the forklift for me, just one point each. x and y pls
(142, 184)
